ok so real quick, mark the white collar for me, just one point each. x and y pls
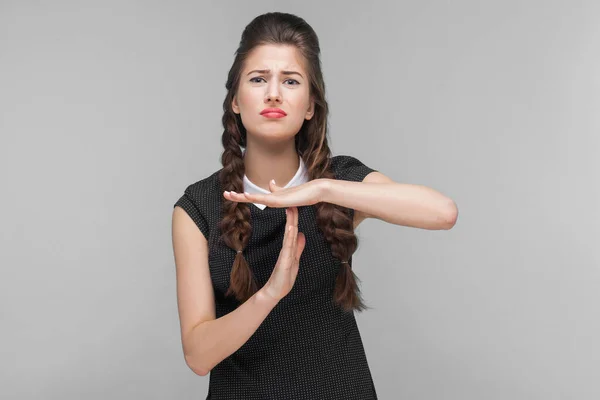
(298, 179)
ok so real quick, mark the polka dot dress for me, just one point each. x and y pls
(307, 348)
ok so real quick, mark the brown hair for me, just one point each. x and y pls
(311, 144)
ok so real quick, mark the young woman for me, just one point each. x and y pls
(265, 286)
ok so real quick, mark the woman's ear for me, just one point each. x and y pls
(311, 109)
(234, 105)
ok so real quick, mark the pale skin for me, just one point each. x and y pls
(377, 196)
(271, 154)
(270, 148)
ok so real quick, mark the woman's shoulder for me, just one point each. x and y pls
(205, 187)
(350, 168)
(204, 194)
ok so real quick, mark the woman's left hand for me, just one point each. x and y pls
(306, 194)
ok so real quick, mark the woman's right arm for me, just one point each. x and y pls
(207, 340)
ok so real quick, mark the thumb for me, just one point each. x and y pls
(273, 186)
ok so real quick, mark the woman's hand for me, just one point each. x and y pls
(285, 272)
(306, 194)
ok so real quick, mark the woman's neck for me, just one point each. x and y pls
(262, 165)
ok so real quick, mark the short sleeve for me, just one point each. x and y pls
(190, 206)
(349, 168)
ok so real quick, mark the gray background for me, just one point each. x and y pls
(108, 110)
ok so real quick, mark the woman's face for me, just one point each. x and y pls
(273, 77)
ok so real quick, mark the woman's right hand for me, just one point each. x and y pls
(286, 269)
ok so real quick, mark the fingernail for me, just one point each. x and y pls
(273, 181)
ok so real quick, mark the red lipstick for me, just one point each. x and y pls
(273, 113)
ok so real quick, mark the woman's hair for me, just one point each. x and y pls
(334, 221)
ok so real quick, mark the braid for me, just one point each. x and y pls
(337, 227)
(334, 221)
(235, 224)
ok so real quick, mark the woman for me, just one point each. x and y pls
(265, 287)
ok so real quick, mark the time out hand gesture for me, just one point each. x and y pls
(306, 194)
(286, 270)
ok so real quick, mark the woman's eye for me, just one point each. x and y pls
(254, 80)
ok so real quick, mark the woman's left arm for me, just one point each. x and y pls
(378, 196)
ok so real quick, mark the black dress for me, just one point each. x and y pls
(307, 348)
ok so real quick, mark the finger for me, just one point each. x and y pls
(296, 212)
(286, 240)
(301, 243)
(295, 230)
(288, 220)
(233, 196)
(290, 216)
(295, 262)
(286, 233)
(291, 247)
(273, 186)
(289, 234)
(294, 223)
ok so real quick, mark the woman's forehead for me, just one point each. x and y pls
(274, 58)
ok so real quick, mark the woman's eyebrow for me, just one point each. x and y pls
(268, 71)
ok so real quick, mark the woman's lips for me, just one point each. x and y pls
(273, 115)
(273, 112)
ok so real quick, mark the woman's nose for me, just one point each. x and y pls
(273, 93)
(271, 98)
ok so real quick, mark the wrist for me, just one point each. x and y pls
(325, 191)
(263, 297)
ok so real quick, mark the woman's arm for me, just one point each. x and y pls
(378, 196)
(208, 340)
